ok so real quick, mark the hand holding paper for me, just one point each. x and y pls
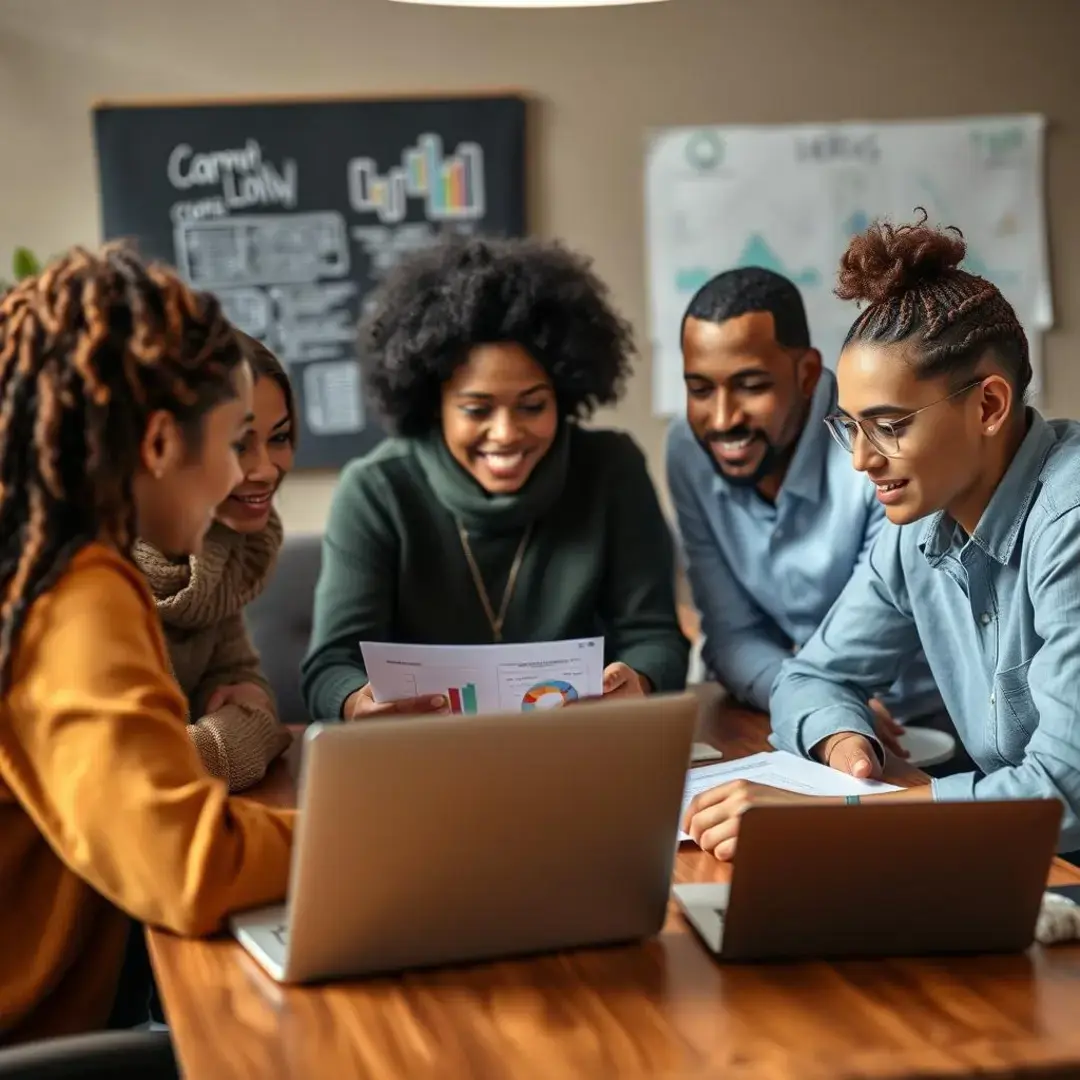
(361, 705)
(476, 679)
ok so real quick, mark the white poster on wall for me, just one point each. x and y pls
(789, 199)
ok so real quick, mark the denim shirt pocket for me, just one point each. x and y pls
(1017, 715)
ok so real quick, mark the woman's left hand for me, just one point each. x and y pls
(623, 681)
(250, 694)
(714, 816)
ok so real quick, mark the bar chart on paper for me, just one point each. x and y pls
(462, 699)
(455, 685)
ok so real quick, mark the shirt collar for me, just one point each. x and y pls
(805, 475)
(1002, 520)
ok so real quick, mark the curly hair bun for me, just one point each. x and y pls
(887, 261)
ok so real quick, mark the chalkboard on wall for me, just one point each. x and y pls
(291, 211)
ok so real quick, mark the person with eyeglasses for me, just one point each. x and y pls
(979, 564)
(772, 519)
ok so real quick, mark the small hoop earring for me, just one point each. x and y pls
(991, 429)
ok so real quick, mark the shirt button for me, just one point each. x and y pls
(993, 698)
(984, 618)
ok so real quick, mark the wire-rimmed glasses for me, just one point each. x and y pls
(883, 434)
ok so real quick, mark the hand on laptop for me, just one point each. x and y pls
(361, 705)
(621, 680)
(888, 730)
(713, 817)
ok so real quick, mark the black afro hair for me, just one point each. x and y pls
(438, 304)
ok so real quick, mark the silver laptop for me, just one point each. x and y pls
(435, 840)
(877, 880)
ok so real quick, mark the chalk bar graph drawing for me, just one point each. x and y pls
(292, 213)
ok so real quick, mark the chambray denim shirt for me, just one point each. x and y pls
(765, 575)
(998, 615)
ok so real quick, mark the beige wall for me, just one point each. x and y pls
(601, 79)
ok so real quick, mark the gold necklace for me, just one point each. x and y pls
(496, 621)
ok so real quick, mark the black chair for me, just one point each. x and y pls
(280, 621)
(108, 1055)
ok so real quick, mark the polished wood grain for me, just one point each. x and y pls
(664, 1009)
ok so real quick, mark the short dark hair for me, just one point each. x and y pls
(750, 289)
(909, 277)
(441, 302)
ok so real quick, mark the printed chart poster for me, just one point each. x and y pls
(790, 198)
(290, 212)
(477, 679)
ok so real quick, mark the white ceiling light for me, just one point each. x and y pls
(530, 3)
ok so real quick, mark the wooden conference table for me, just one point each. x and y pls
(661, 1009)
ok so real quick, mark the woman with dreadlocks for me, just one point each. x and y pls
(979, 562)
(123, 396)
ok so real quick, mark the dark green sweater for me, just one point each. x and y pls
(599, 560)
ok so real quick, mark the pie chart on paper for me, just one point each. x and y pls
(548, 695)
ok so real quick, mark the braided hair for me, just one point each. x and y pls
(910, 279)
(89, 348)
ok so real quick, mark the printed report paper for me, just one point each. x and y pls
(779, 769)
(478, 679)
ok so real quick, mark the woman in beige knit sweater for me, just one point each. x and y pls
(201, 599)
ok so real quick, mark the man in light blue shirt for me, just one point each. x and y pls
(772, 517)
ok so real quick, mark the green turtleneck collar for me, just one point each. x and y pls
(480, 511)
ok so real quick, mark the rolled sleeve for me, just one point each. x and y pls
(862, 645)
(957, 788)
(829, 721)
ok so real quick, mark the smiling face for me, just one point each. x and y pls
(499, 416)
(747, 396)
(185, 474)
(266, 456)
(942, 456)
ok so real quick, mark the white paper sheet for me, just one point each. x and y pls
(488, 678)
(789, 198)
(782, 770)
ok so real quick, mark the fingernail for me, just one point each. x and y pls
(438, 701)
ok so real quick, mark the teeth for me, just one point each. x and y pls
(736, 444)
(504, 461)
(891, 486)
(252, 500)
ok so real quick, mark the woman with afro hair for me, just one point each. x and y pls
(492, 515)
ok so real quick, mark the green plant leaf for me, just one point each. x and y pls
(25, 264)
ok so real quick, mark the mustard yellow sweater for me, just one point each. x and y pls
(106, 810)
